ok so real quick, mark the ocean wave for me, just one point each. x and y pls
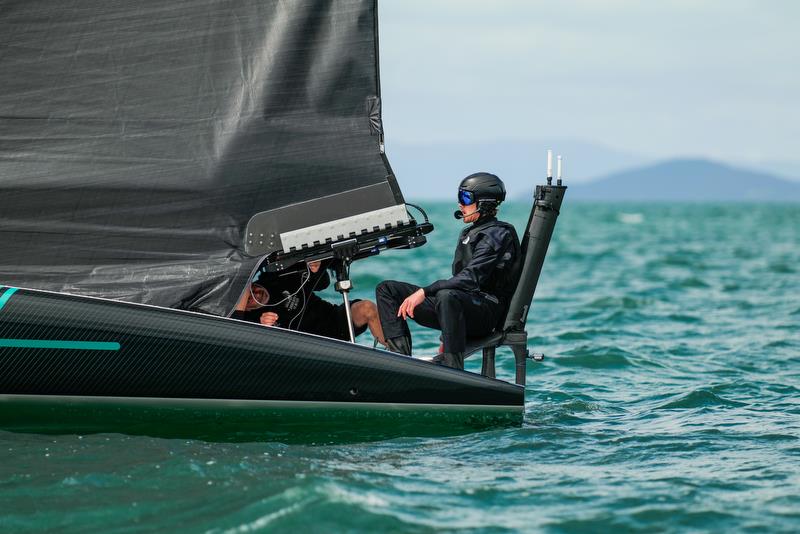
(625, 302)
(699, 398)
(668, 401)
(693, 282)
(782, 268)
(595, 357)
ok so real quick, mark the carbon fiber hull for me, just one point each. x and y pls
(69, 361)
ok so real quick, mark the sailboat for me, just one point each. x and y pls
(153, 156)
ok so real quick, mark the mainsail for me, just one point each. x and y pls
(139, 139)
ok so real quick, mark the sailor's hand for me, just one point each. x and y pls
(406, 309)
(268, 318)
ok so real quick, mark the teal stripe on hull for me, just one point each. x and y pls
(58, 344)
(7, 295)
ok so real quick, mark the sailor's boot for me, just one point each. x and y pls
(450, 359)
(401, 345)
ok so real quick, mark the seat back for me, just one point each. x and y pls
(541, 222)
(544, 212)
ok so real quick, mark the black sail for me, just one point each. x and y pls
(139, 139)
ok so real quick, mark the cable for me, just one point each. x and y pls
(299, 313)
(287, 297)
(306, 300)
(424, 215)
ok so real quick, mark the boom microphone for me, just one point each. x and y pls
(458, 215)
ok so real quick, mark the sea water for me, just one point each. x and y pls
(669, 400)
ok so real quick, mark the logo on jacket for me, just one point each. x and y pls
(292, 301)
(466, 240)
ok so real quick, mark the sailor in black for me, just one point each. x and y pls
(474, 300)
(291, 303)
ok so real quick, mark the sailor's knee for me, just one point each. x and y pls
(365, 310)
(384, 288)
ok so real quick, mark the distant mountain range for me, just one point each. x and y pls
(432, 171)
(593, 172)
(688, 180)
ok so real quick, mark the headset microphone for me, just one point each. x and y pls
(458, 215)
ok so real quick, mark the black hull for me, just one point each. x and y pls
(75, 355)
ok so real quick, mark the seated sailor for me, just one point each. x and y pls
(291, 303)
(475, 299)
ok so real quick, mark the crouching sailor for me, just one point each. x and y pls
(289, 301)
(475, 299)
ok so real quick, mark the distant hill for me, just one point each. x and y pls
(690, 180)
(433, 170)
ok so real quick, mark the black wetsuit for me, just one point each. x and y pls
(473, 301)
(301, 309)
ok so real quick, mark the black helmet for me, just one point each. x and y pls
(481, 186)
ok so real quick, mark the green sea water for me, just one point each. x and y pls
(669, 400)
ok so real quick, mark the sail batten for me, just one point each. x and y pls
(138, 140)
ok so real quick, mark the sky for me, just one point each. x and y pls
(654, 80)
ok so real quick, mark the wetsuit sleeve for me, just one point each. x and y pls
(488, 253)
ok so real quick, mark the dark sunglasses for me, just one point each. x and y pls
(465, 198)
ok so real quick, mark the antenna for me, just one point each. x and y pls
(558, 171)
(549, 167)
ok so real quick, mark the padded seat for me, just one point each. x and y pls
(476, 344)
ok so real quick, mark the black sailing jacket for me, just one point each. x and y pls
(486, 261)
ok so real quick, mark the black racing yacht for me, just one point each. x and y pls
(153, 156)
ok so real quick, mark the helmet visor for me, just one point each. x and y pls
(465, 198)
